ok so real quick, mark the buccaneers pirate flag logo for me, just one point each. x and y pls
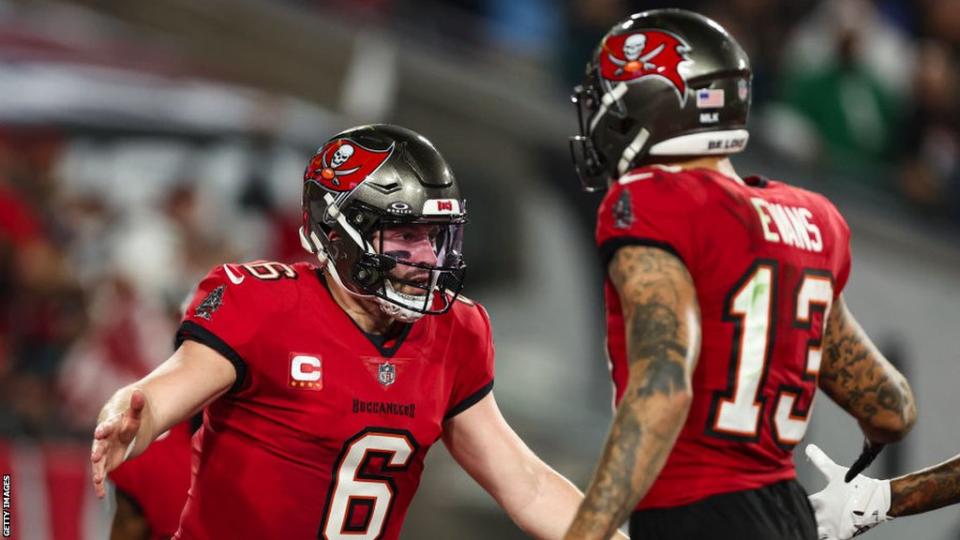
(647, 53)
(342, 164)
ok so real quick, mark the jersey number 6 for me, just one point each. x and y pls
(752, 307)
(360, 499)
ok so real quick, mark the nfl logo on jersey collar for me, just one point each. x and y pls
(386, 373)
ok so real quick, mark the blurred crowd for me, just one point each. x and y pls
(93, 270)
(862, 87)
(95, 261)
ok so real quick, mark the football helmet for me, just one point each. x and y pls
(664, 82)
(370, 178)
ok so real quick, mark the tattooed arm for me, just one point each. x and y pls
(926, 490)
(662, 318)
(860, 380)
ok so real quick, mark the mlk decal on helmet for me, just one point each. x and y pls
(647, 53)
(342, 164)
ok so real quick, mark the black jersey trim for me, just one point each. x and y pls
(377, 340)
(194, 332)
(469, 401)
(609, 248)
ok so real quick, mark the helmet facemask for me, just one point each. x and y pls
(416, 269)
(589, 163)
(364, 251)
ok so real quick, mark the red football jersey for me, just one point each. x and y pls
(767, 260)
(158, 480)
(325, 431)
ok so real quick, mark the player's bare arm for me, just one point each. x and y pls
(858, 378)
(663, 333)
(537, 498)
(926, 490)
(191, 378)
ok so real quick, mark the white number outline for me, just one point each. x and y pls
(269, 270)
(730, 314)
(393, 463)
(788, 417)
(788, 421)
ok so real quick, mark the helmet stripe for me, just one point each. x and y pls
(632, 150)
(334, 212)
(606, 102)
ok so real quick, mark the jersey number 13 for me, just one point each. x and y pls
(736, 413)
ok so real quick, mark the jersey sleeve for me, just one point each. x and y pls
(844, 259)
(838, 237)
(652, 208)
(474, 378)
(225, 314)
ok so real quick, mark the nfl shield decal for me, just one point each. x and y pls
(387, 373)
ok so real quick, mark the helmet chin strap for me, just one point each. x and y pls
(399, 312)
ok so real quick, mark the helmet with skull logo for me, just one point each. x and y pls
(663, 84)
(369, 179)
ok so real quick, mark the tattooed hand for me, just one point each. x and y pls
(858, 378)
(662, 318)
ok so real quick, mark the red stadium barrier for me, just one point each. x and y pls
(49, 493)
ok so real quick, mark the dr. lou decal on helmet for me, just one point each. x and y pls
(372, 192)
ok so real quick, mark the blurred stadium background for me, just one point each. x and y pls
(142, 143)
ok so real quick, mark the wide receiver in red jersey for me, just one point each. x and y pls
(723, 295)
(325, 387)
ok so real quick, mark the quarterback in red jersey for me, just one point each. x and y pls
(723, 298)
(324, 387)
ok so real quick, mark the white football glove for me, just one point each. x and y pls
(847, 510)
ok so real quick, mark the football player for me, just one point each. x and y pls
(324, 387)
(723, 298)
(847, 509)
(151, 489)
